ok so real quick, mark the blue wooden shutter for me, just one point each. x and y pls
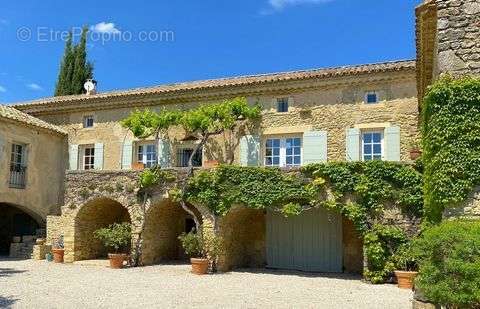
(98, 159)
(164, 154)
(352, 144)
(314, 147)
(249, 150)
(127, 153)
(73, 157)
(392, 144)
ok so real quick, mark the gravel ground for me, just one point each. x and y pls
(38, 284)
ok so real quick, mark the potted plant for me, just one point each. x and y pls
(138, 166)
(58, 250)
(194, 246)
(415, 151)
(406, 266)
(117, 239)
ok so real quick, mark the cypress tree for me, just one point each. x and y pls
(75, 69)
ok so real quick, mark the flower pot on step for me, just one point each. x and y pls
(138, 166)
(199, 266)
(58, 255)
(116, 260)
(405, 278)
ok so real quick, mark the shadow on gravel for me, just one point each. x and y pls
(282, 272)
(8, 272)
(7, 302)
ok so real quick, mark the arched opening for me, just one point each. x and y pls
(18, 231)
(243, 233)
(165, 221)
(94, 215)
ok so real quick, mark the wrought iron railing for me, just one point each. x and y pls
(18, 176)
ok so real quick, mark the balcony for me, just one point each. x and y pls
(17, 176)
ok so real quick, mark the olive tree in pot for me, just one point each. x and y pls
(58, 250)
(201, 250)
(117, 238)
(406, 266)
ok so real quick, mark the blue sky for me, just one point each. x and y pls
(155, 42)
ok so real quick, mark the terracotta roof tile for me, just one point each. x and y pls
(401, 65)
(16, 115)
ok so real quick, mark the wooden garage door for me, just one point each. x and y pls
(311, 241)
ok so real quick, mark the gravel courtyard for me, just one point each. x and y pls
(38, 284)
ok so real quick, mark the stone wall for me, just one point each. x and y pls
(469, 209)
(458, 36)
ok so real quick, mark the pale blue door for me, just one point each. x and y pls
(311, 241)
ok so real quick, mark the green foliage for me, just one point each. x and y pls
(116, 236)
(380, 243)
(257, 188)
(74, 69)
(449, 260)
(193, 244)
(358, 190)
(405, 258)
(205, 119)
(155, 176)
(451, 143)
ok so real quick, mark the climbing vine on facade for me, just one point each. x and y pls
(451, 143)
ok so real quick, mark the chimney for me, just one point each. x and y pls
(90, 87)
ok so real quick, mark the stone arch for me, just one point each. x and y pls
(95, 214)
(16, 220)
(165, 221)
(243, 233)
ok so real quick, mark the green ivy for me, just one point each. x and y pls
(357, 190)
(451, 143)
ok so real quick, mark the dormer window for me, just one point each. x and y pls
(282, 105)
(371, 97)
(88, 121)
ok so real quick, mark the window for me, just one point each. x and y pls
(18, 166)
(147, 154)
(183, 155)
(88, 157)
(88, 121)
(283, 152)
(371, 97)
(282, 105)
(372, 145)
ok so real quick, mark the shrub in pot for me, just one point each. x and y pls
(449, 264)
(58, 250)
(406, 266)
(194, 246)
(117, 239)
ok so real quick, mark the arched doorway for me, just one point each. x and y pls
(243, 232)
(96, 214)
(16, 222)
(165, 221)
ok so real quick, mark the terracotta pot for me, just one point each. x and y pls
(405, 278)
(58, 255)
(210, 163)
(116, 260)
(138, 166)
(199, 266)
(415, 154)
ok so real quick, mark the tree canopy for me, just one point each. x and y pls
(74, 68)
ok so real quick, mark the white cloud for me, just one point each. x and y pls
(34, 86)
(279, 5)
(104, 27)
(3, 89)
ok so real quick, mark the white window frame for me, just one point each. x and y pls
(382, 143)
(283, 150)
(282, 100)
(145, 153)
(86, 118)
(367, 93)
(84, 156)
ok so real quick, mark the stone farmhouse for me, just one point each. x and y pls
(67, 164)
